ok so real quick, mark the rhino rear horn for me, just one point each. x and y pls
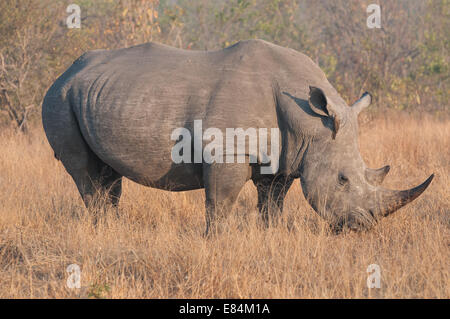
(376, 176)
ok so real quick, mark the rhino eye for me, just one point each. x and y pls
(342, 179)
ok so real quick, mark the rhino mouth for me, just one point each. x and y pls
(357, 220)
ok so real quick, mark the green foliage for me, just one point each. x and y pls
(98, 290)
(405, 64)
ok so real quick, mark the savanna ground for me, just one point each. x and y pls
(155, 248)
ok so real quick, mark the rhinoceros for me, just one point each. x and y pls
(112, 114)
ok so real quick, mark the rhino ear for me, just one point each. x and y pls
(363, 102)
(318, 103)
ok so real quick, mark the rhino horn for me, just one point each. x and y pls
(376, 176)
(391, 200)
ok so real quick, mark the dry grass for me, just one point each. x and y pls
(155, 249)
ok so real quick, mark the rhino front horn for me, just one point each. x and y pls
(390, 200)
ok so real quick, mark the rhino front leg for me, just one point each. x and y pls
(223, 183)
(271, 193)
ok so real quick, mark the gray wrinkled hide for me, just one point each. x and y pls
(111, 114)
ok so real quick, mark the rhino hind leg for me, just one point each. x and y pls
(110, 184)
(271, 193)
(97, 183)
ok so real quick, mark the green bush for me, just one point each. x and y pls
(404, 64)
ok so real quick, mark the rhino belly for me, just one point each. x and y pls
(133, 136)
(143, 154)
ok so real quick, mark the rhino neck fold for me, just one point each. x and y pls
(292, 153)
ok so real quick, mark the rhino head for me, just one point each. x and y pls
(334, 178)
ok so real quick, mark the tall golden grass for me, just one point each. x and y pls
(155, 248)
